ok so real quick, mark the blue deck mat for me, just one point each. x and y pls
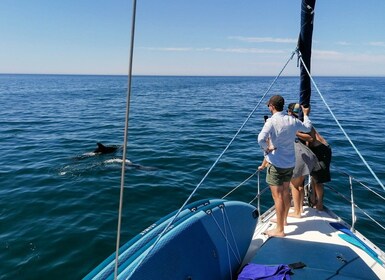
(326, 262)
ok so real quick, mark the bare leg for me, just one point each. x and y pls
(287, 199)
(313, 199)
(302, 196)
(279, 196)
(297, 192)
(319, 192)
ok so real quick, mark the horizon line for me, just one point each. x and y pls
(183, 75)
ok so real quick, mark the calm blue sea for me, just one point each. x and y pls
(58, 209)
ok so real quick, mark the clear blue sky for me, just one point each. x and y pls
(189, 37)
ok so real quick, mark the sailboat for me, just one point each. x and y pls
(224, 239)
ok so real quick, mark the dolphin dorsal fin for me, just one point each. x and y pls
(100, 145)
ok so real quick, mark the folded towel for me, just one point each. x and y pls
(254, 271)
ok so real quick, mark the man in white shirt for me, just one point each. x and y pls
(279, 151)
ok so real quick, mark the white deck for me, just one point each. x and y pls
(313, 241)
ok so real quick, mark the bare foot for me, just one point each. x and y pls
(274, 233)
(313, 203)
(319, 207)
(294, 215)
(274, 220)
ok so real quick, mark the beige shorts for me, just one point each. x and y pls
(276, 176)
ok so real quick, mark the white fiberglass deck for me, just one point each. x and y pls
(320, 246)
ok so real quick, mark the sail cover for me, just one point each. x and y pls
(304, 46)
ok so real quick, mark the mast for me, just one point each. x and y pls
(304, 46)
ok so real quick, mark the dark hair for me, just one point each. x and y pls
(277, 101)
(293, 108)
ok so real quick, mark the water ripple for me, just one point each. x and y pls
(59, 208)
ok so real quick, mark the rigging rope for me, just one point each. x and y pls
(215, 163)
(355, 205)
(125, 138)
(338, 123)
(219, 157)
(241, 184)
(359, 182)
(223, 231)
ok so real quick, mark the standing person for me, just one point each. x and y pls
(281, 130)
(323, 151)
(306, 162)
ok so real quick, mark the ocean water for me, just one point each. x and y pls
(58, 213)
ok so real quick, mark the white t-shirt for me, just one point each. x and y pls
(281, 130)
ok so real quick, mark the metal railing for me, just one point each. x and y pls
(352, 201)
(349, 199)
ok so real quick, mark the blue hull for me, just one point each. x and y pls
(208, 241)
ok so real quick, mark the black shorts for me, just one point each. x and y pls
(324, 156)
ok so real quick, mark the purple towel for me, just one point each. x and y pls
(254, 271)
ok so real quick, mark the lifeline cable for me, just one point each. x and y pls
(125, 137)
(241, 184)
(214, 164)
(338, 123)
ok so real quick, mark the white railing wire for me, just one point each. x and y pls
(125, 138)
(216, 161)
(338, 123)
(352, 200)
(259, 193)
(240, 185)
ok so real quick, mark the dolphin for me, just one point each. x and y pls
(129, 163)
(101, 149)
